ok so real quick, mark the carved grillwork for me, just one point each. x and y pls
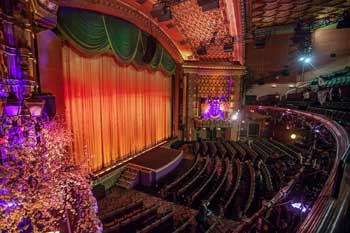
(213, 86)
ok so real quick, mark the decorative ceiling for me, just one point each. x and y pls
(269, 13)
(189, 28)
(200, 27)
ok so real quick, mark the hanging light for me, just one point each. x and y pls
(13, 105)
(35, 104)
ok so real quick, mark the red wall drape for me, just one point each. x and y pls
(114, 110)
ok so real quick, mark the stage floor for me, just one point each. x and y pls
(156, 158)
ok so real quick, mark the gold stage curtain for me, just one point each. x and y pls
(113, 109)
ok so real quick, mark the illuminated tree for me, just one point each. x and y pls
(41, 188)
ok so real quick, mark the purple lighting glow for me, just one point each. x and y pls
(299, 206)
(12, 110)
(214, 110)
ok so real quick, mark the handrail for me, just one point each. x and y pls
(327, 212)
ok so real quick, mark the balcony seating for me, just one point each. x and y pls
(251, 186)
(237, 202)
(266, 176)
(221, 151)
(162, 224)
(204, 148)
(195, 148)
(222, 179)
(186, 226)
(231, 152)
(241, 152)
(213, 187)
(194, 190)
(279, 149)
(182, 179)
(193, 179)
(212, 148)
(262, 153)
(251, 153)
(235, 183)
(118, 213)
(235, 188)
(259, 192)
(129, 222)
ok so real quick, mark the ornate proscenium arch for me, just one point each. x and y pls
(123, 11)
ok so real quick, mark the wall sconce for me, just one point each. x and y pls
(35, 105)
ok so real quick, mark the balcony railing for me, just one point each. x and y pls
(328, 212)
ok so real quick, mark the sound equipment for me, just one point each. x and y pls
(157, 10)
(141, 1)
(150, 49)
(228, 47)
(161, 11)
(165, 16)
(202, 50)
(208, 4)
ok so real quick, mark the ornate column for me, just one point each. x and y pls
(18, 44)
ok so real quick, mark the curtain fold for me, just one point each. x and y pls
(123, 38)
(99, 33)
(87, 31)
(112, 109)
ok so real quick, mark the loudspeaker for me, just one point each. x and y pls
(141, 1)
(208, 4)
(158, 10)
(165, 16)
(202, 50)
(150, 49)
(228, 47)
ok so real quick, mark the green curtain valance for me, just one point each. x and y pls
(99, 33)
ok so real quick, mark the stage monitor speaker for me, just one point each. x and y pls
(208, 4)
(150, 49)
(158, 10)
(165, 16)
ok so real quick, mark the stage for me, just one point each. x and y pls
(155, 164)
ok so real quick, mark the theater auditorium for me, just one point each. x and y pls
(175, 116)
